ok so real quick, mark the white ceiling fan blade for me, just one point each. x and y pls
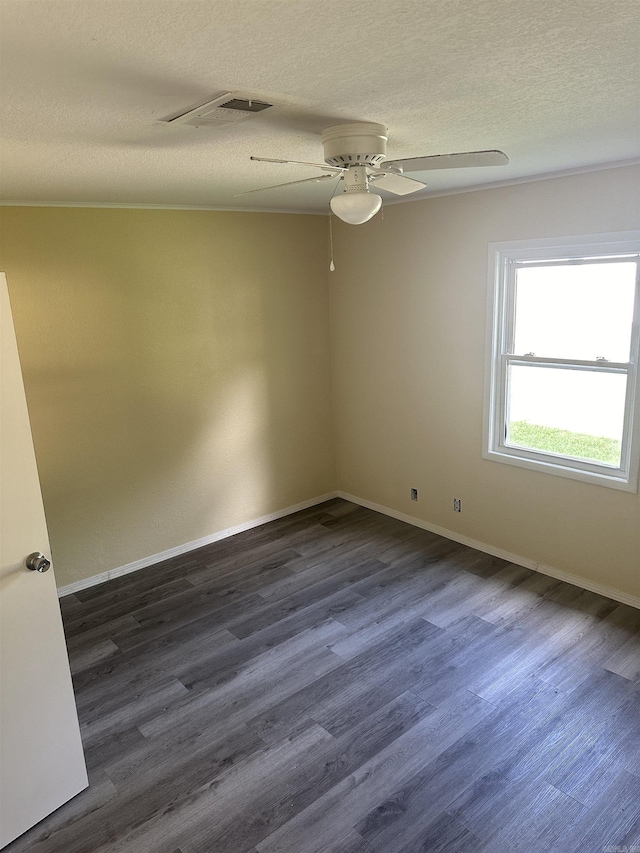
(336, 169)
(317, 180)
(397, 184)
(467, 160)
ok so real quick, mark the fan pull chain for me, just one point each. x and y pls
(332, 266)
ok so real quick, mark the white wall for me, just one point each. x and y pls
(408, 307)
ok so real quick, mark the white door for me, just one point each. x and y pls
(41, 760)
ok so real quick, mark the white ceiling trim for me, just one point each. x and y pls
(550, 176)
(97, 205)
(565, 173)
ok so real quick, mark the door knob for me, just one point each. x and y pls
(37, 562)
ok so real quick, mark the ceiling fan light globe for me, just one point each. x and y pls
(356, 208)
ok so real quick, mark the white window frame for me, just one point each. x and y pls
(504, 260)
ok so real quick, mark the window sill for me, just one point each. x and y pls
(612, 481)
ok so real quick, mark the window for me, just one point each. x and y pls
(562, 375)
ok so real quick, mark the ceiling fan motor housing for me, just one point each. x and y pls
(355, 144)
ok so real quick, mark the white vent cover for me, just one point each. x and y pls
(228, 108)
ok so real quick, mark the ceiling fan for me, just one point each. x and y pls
(356, 153)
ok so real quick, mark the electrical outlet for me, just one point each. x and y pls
(457, 505)
(414, 494)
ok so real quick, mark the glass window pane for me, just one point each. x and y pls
(581, 311)
(573, 413)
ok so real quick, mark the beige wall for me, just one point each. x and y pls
(176, 365)
(177, 369)
(408, 335)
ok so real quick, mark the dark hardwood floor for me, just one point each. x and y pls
(340, 682)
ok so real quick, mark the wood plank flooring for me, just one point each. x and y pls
(340, 682)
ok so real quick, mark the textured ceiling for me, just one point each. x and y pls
(84, 83)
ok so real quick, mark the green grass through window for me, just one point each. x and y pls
(564, 442)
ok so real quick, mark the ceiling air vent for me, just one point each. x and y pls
(228, 108)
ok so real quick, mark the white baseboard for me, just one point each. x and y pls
(94, 580)
(576, 580)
